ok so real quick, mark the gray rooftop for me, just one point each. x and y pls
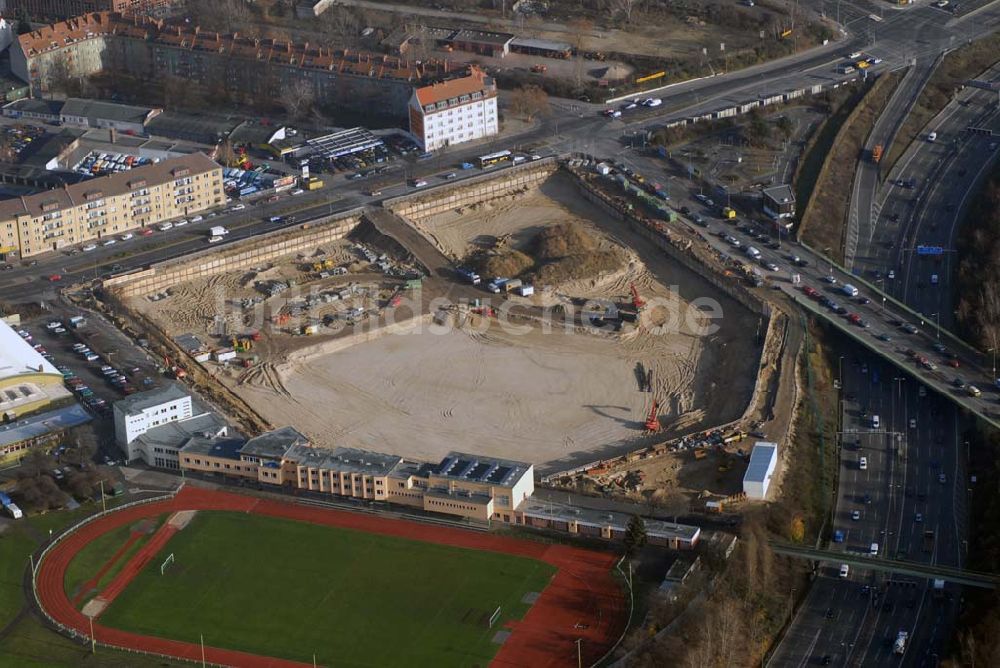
(760, 461)
(43, 423)
(347, 460)
(140, 401)
(35, 106)
(202, 426)
(477, 468)
(548, 45)
(274, 444)
(98, 109)
(605, 518)
(226, 447)
(782, 193)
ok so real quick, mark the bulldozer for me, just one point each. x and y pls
(242, 345)
(323, 265)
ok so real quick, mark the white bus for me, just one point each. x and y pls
(487, 161)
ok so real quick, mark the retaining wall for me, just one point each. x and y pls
(473, 191)
(240, 255)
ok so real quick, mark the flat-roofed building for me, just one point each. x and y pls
(605, 524)
(154, 426)
(359, 474)
(757, 479)
(108, 205)
(455, 111)
(478, 487)
(779, 203)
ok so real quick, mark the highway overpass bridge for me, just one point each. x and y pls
(896, 567)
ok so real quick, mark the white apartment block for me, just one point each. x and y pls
(454, 111)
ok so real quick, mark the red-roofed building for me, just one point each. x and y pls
(454, 111)
(238, 67)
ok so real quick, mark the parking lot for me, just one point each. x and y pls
(98, 364)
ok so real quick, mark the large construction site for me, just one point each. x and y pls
(507, 316)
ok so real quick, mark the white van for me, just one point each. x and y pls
(932, 137)
(863, 464)
(849, 290)
(873, 551)
(844, 570)
(876, 422)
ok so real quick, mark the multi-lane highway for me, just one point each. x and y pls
(923, 200)
(898, 481)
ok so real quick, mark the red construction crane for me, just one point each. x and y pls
(637, 301)
(653, 422)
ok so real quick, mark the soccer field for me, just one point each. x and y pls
(291, 590)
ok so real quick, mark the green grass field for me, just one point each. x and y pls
(291, 589)
(97, 553)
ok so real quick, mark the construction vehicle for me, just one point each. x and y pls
(242, 345)
(877, 153)
(728, 213)
(652, 421)
(173, 370)
(638, 302)
(323, 265)
(899, 647)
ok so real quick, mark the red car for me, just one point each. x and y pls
(854, 318)
(146, 231)
(55, 277)
(810, 292)
(953, 363)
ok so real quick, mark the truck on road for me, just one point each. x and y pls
(899, 647)
(928, 544)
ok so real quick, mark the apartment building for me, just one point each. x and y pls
(95, 209)
(454, 111)
(50, 10)
(236, 67)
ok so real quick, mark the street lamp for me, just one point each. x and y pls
(994, 351)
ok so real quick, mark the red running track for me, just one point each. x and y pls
(581, 601)
(90, 585)
(137, 563)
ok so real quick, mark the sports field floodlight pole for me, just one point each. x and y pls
(93, 641)
(579, 653)
(104, 502)
(202, 635)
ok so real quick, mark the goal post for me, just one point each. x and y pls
(494, 617)
(166, 562)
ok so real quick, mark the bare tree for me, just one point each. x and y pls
(625, 8)
(341, 25)
(298, 97)
(529, 101)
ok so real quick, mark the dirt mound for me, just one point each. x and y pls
(580, 266)
(556, 254)
(511, 263)
(561, 241)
